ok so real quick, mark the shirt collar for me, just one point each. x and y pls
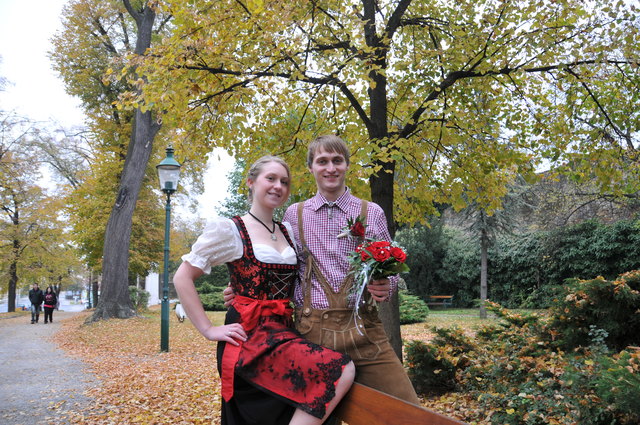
(319, 200)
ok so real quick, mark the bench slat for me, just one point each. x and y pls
(365, 406)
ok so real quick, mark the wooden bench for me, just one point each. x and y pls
(440, 300)
(365, 406)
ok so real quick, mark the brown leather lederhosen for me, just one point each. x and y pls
(377, 365)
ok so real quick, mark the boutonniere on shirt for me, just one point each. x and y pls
(374, 260)
(356, 228)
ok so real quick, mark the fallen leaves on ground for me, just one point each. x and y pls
(141, 385)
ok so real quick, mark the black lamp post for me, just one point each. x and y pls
(169, 172)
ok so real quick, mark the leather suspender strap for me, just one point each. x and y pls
(336, 299)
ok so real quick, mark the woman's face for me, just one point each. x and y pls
(271, 187)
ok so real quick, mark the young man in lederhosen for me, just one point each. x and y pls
(324, 314)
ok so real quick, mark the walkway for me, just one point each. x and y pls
(38, 382)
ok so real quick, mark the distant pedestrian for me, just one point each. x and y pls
(36, 297)
(50, 302)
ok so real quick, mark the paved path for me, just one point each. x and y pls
(38, 382)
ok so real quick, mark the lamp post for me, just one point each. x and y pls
(168, 172)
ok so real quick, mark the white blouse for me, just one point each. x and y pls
(220, 243)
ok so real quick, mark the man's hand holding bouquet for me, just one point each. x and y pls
(371, 260)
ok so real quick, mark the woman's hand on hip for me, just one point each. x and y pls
(228, 333)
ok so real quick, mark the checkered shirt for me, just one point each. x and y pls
(322, 225)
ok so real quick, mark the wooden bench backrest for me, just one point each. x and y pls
(366, 406)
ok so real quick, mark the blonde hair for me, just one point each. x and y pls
(328, 143)
(256, 169)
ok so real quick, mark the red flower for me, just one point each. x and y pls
(364, 255)
(398, 254)
(357, 229)
(380, 244)
(380, 254)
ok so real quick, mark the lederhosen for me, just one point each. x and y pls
(336, 327)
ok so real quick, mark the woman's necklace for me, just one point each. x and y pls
(272, 231)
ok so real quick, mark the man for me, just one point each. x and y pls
(37, 298)
(324, 310)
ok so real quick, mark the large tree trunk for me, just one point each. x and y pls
(381, 184)
(382, 194)
(114, 296)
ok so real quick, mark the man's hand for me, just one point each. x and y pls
(228, 295)
(379, 289)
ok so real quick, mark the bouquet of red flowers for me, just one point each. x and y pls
(375, 260)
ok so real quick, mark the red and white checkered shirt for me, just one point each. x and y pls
(322, 224)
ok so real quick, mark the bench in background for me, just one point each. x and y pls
(440, 300)
(365, 406)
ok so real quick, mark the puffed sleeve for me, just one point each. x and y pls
(219, 243)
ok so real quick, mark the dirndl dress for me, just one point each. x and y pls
(276, 370)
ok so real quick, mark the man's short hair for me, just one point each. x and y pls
(328, 143)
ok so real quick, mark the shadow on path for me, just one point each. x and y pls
(39, 383)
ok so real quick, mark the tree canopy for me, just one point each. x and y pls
(437, 99)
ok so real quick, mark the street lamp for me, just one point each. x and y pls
(169, 172)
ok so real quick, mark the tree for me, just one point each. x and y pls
(115, 300)
(91, 53)
(396, 78)
(33, 245)
(236, 203)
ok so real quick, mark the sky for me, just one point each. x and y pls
(35, 91)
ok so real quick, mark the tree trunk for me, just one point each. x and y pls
(13, 283)
(381, 184)
(94, 290)
(382, 194)
(114, 297)
(484, 243)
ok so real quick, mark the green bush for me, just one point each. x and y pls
(607, 305)
(412, 308)
(213, 301)
(618, 382)
(517, 374)
(139, 298)
(432, 367)
(428, 370)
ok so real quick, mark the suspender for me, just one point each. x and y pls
(335, 299)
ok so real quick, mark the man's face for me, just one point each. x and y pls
(330, 170)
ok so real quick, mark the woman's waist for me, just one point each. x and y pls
(251, 311)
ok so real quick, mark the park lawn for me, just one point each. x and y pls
(141, 385)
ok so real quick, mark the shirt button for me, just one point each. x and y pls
(325, 316)
(307, 311)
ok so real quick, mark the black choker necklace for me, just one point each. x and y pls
(272, 231)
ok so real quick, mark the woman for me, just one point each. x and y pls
(270, 374)
(50, 301)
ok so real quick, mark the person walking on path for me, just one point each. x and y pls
(270, 374)
(50, 302)
(36, 297)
